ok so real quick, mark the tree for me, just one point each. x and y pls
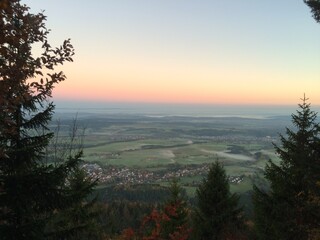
(315, 8)
(32, 191)
(217, 215)
(169, 223)
(287, 210)
(314, 203)
(152, 227)
(178, 219)
(79, 218)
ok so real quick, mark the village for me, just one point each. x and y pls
(124, 175)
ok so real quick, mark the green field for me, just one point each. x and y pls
(150, 152)
(156, 144)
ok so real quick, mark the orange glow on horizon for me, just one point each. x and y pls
(246, 98)
(127, 80)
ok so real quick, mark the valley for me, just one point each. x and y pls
(122, 149)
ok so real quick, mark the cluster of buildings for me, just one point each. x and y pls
(235, 179)
(125, 175)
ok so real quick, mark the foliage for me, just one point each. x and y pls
(177, 210)
(314, 202)
(315, 8)
(286, 211)
(170, 223)
(152, 227)
(217, 215)
(33, 192)
(79, 220)
(130, 213)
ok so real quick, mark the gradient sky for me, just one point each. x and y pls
(183, 51)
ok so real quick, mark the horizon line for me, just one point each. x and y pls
(75, 101)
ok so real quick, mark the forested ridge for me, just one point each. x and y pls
(45, 193)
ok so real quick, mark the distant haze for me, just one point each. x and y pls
(159, 110)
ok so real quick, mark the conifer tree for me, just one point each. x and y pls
(217, 215)
(286, 211)
(315, 8)
(32, 191)
(176, 201)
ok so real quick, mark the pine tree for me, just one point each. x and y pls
(315, 8)
(285, 212)
(217, 215)
(32, 191)
(178, 218)
(79, 218)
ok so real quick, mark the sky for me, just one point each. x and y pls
(186, 51)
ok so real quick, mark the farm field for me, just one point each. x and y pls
(161, 148)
